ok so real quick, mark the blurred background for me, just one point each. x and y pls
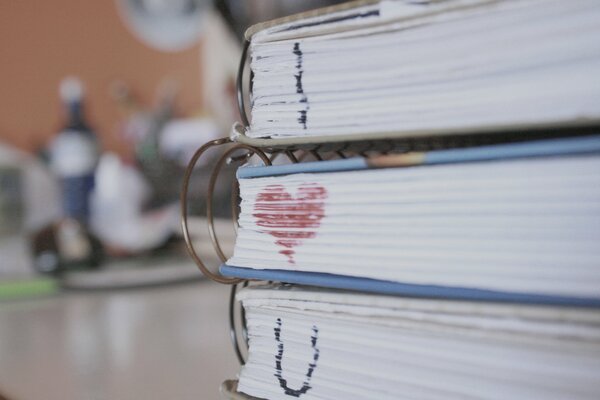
(102, 105)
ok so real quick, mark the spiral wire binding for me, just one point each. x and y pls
(267, 157)
(209, 203)
(227, 157)
(240, 83)
(233, 332)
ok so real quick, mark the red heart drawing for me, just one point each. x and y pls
(276, 208)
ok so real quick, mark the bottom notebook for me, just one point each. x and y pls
(401, 289)
(312, 343)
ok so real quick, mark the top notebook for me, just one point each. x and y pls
(407, 68)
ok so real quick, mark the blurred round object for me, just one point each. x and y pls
(241, 14)
(166, 25)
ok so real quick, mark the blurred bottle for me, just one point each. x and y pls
(73, 155)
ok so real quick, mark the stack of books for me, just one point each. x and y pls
(470, 270)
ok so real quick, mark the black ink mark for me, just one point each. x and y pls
(279, 357)
(302, 118)
(299, 87)
(332, 20)
(298, 53)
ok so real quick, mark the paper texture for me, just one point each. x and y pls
(524, 226)
(384, 347)
(454, 65)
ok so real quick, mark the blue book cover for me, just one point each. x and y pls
(398, 288)
(538, 148)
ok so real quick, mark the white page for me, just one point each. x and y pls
(438, 59)
(429, 353)
(483, 225)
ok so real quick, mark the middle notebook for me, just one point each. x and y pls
(511, 222)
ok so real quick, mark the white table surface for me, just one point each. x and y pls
(164, 343)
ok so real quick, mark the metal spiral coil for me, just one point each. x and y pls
(209, 203)
(240, 83)
(233, 331)
(227, 157)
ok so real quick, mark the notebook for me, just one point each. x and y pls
(393, 69)
(314, 344)
(513, 222)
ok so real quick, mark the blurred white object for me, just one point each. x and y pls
(40, 192)
(74, 151)
(180, 138)
(219, 59)
(73, 155)
(166, 25)
(29, 200)
(71, 90)
(117, 204)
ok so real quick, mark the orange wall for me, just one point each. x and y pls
(42, 41)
